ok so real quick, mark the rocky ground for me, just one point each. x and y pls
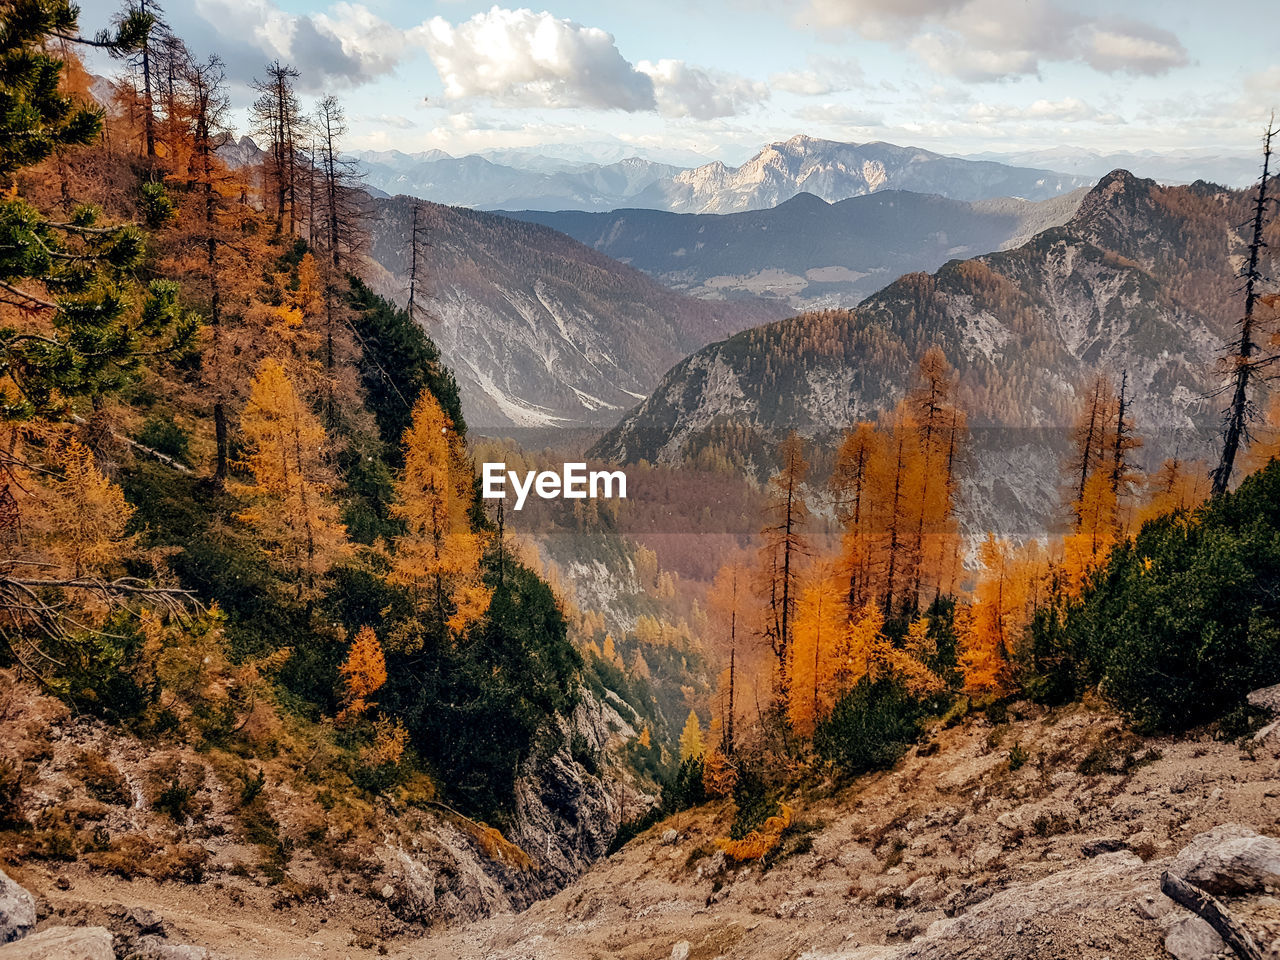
(954, 854)
(1043, 836)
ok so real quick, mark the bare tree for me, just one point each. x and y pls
(277, 120)
(1244, 362)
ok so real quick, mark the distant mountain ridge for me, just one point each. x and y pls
(805, 251)
(538, 329)
(1142, 279)
(825, 168)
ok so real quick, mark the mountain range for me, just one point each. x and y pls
(1141, 281)
(539, 329)
(1169, 166)
(828, 169)
(805, 251)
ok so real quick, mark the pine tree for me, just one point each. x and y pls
(87, 322)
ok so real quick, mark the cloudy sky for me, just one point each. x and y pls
(674, 78)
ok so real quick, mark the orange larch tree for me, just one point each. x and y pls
(439, 555)
(292, 506)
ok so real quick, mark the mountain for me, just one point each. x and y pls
(1142, 279)
(835, 171)
(516, 180)
(524, 182)
(1177, 166)
(806, 251)
(539, 329)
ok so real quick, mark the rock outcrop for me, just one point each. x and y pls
(62, 943)
(17, 910)
(1229, 860)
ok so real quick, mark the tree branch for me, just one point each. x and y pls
(1213, 912)
(27, 298)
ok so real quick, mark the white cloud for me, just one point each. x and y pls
(1066, 110)
(983, 40)
(346, 45)
(687, 91)
(524, 58)
(841, 115)
(823, 77)
(1126, 46)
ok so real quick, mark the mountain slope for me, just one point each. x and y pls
(1140, 280)
(836, 171)
(539, 329)
(806, 251)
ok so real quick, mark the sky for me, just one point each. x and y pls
(679, 80)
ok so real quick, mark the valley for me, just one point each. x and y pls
(926, 601)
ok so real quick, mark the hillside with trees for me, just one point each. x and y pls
(242, 540)
(1141, 283)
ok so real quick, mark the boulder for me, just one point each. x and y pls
(1267, 698)
(1229, 860)
(1192, 939)
(62, 943)
(153, 948)
(17, 910)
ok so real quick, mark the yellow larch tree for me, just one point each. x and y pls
(291, 503)
(439, 555)
(363, 673)
(86, 515)
(784, 547)
(820, 618)
(990, 627)
(691, 743)
(850, 486)
(1177, 485)
(939, 427)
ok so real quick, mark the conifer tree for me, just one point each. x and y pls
(291, 494)
(86, 514)
(277, 119)
(785, 544)
(363, 673)
(1245, 369)
(439, 555)
(691, 745)
(820, 618)
(90, 321)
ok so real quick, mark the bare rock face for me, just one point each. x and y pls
(565, 818)
(17, 910)
(1073, 908)
(1229, 860)
(62, 943)
(565, 815)
(1192, 939)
